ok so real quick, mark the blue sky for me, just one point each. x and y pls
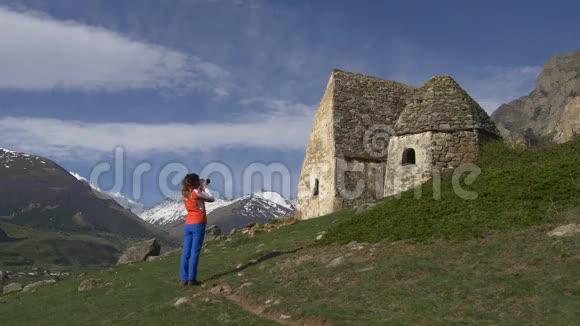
(238, 82)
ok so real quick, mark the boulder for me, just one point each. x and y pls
(353, 245)
(361, 208)
(153, 258)
(90, 284)
(140, 251)
(38, 284)
(336, 262)
(213, 232)
(221, 289)
(565, 230)
(12, 288)
(182, 302)
(270, 227)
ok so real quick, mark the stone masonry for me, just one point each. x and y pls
(365, 128)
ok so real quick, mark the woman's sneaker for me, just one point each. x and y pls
(194, 282)
(184, 283)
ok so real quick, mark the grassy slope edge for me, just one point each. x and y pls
(517, 187)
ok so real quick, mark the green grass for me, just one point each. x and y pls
(463, 263)
(516, 188)
(516, 277)
(143, 294)
(56, 250)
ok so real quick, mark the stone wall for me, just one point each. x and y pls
(318, 164)
(434, 151)
(358, 181)
(399, 177)
(360, 105)
(451, 149)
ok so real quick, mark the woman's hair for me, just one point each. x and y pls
(191, 181)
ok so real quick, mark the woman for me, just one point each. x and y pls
(194, 229)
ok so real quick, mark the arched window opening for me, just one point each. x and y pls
(315, 187)
(409, 156)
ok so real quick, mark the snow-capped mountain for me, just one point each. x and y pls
(172, 210)
(259, 207)
(133, 206)
(9, 158)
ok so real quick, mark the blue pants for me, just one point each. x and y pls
(193, 239)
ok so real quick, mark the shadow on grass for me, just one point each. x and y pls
(270, 255)
(9, 239)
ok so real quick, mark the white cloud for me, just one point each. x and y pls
(77, 140)
(278, 107)
(41, 53)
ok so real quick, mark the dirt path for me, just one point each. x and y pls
(261, 311)
(249, 305)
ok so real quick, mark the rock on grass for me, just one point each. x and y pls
(565, 230)
(90, 284)
(12, 288)
(183, 301)
(38, 284)
(140, 251)
(336, 262)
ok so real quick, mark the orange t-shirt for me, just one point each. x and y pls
(194, 204)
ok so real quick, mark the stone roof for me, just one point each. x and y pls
(361, 103)
(442, 105)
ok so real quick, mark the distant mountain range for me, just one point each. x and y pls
(39, 193)
(169, 215)
(133, 206)
(74, 222)
(260, 207)
(172, 210)
(60, 219)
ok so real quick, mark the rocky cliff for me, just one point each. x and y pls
(551, 112)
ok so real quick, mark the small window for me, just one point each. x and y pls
(315, 188)
(409, 156)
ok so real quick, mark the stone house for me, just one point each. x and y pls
(373, 138)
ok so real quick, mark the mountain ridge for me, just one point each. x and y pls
(122, 200)
(551, 111)
(51, 218)
(169, 215)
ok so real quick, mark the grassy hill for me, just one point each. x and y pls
(57, 250)
(451, 261)
(517, 187)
